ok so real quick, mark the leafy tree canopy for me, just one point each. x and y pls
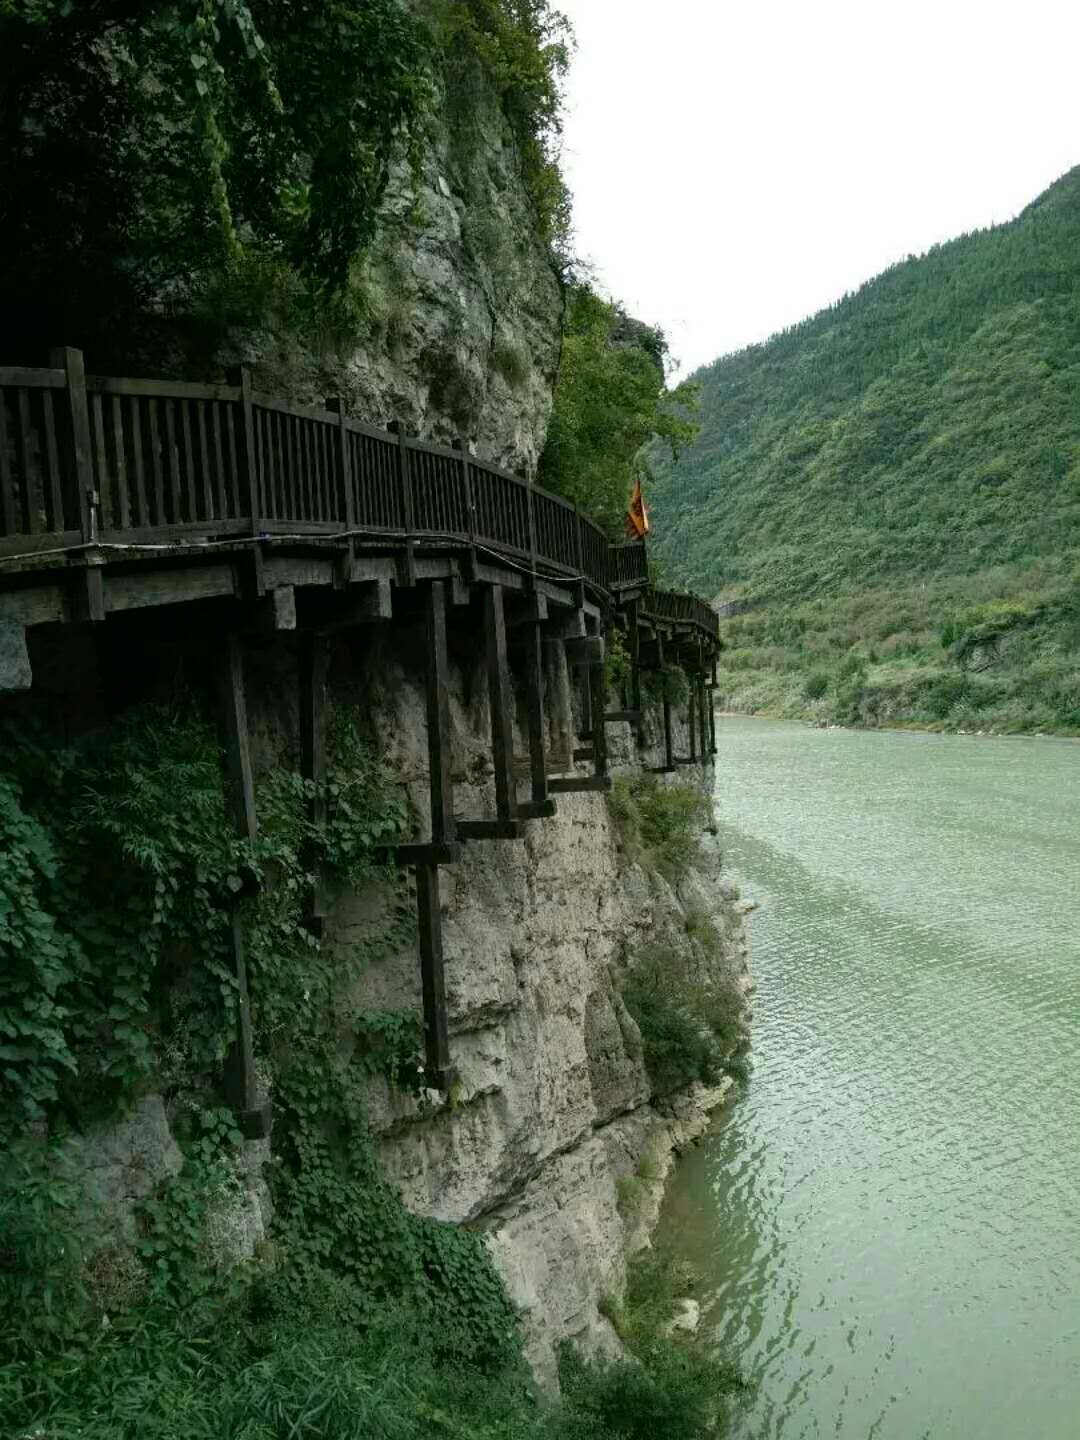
(610, 399)
(149, 148)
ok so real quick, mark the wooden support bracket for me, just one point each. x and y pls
(364, 603)
(422, 852)
(600, 783)
(537, 809)
(534, 701)
(490, 829)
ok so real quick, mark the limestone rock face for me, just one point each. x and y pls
(459, 303)
(121, 1162)
(553, 1108)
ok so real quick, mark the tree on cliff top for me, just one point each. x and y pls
(610, 399)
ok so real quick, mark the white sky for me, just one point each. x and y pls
(736, 166)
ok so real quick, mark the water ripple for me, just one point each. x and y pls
(887, 1224)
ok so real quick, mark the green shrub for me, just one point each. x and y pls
(816, 684)
(689, 1028)
(660, 824)
(669, 1389)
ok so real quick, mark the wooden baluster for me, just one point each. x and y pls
(343, 484)
(7, 483)
(31, 510)
(405, 480)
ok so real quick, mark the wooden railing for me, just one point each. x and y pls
(89, 459)
(672, 605)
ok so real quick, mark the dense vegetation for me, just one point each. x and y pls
(357, 1318)
(171, 168)
(893, 488)
(610, 398)
(691, 1021)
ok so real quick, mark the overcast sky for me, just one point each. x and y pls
(736, 166)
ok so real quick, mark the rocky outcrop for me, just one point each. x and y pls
(553, 1107)
(458, 306)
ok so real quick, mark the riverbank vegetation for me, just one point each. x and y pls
(889, 493)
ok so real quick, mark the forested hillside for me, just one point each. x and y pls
(893, 487)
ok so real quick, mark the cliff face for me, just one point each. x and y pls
(553, 1105)
(459, 303)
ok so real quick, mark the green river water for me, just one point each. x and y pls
(886, 1223)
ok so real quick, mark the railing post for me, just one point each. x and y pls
(578, 562)
(344, 478)
(84, 500)
(405, 476)
(247, 454)
(461, 445)
(248, 460)
(530, 500)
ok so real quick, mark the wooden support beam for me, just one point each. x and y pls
(585, 729)
(437, 681)
(616, 717)
(490, 829)
(712, 719)
(635, 662)
(534, 701)
(597, 689)
(364, 603)
(691, 717)
(275, 611)
(253, 1117)
(499, 702)
(585, 649)
(601, 783)
(314, 663)
(88, 593)
(582, 753)
(537, 809)
(422, 853)
(432, 977)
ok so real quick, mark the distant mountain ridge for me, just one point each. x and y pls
(895, 475)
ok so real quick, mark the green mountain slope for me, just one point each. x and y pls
(894, 489)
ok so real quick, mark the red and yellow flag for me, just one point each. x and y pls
(637, 517)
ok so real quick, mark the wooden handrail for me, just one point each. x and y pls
(156, 459)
